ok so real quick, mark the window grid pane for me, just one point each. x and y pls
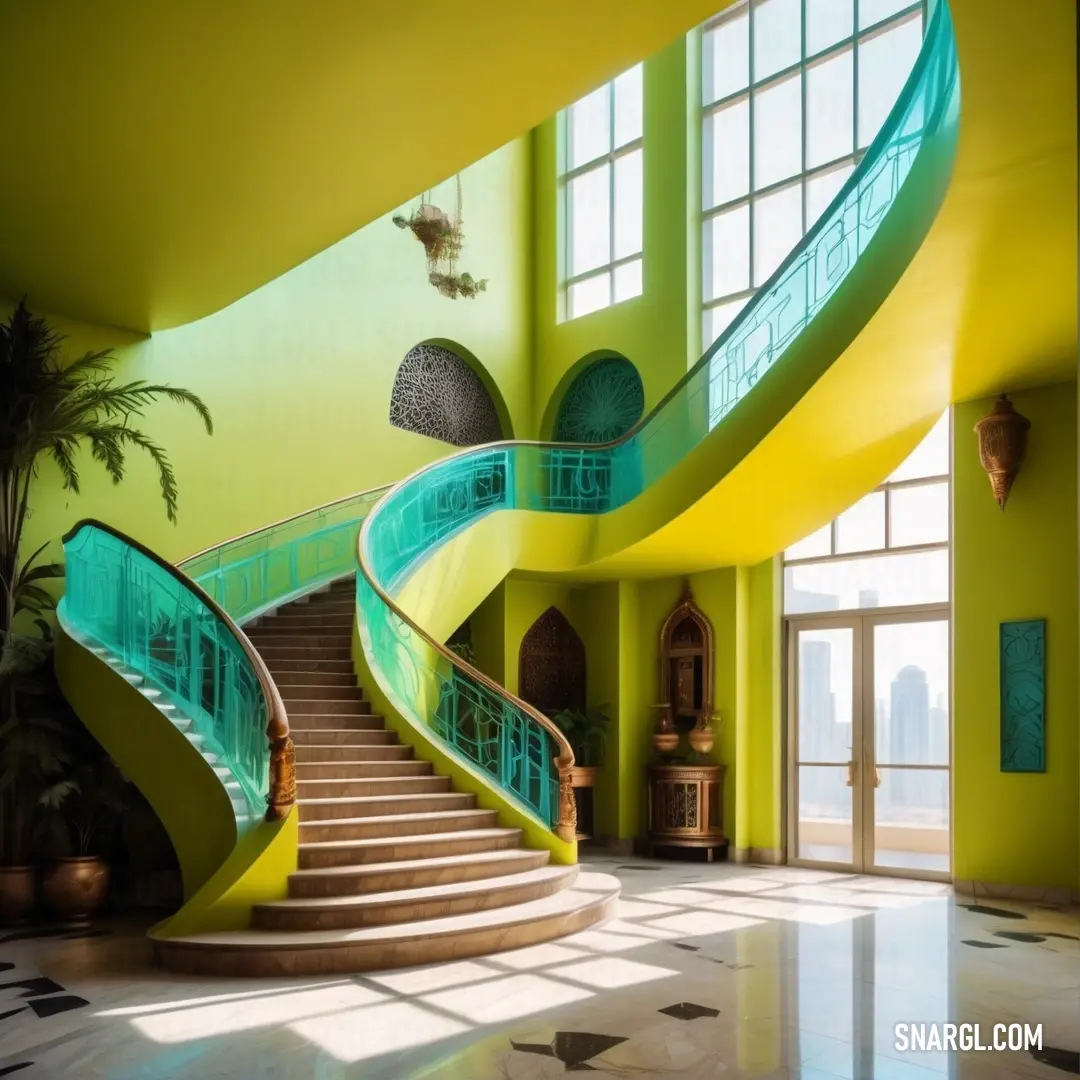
(602, 195)
(590, 220)
(787, 79)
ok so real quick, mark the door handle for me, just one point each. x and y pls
(851, 767)
(877, 777)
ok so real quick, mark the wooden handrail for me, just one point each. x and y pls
(282, 793)
(566, 824)
(383, 488)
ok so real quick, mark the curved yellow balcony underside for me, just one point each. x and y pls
(175, 155)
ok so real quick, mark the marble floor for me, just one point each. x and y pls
(708, 971)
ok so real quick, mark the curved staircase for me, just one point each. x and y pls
(395, 867)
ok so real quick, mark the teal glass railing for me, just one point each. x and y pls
(429, 684)
(270, 566)
(158, 624)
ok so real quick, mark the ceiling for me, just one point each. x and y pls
(989, 304)
(166, 158)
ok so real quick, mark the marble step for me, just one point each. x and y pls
(399, 848)
(377, 805)
(316, 754)
(388, 825)
(409, 905)
(320, 602)
(341, 735)
(354, 706)
(412, 873)
(356, 770)
(375, 785)
(311, 691)
(269, 954)
(311, 720)
(311, 665)
(314, 679)
(312, 620)
(339, 642)
(274, 652)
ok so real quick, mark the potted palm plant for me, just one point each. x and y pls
(32, 757)
(585, 731)
(48, 409)
(87, 801)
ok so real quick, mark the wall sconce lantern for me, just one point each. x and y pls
(1003, 437)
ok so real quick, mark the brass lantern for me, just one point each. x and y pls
(1003, 439)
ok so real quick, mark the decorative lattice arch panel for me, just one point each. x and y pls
(603, 402)
(437, 394)
(551, 664)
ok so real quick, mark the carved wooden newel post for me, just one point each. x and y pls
(566, 826)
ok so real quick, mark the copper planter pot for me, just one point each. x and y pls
(73, 888)
(16, 894)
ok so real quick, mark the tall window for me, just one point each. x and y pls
(601, 186)
(793, 93)
(891, 549)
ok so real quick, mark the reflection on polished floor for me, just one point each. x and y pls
(708, 971)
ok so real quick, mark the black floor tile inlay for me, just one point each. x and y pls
(572, 1048)
(687, 1010)
(1001, 913)
(1065, 1060)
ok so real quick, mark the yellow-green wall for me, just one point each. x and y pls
(658, 330)
(1017, 829)
(298, 375)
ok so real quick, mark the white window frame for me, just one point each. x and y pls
(567, 175)
(750, 93)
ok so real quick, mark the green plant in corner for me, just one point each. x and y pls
(33, 751)
(586, 733)
(49, 409)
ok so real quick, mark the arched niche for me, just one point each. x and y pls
(551, 664)
(439, 392)
(686, 663)
(601, 398)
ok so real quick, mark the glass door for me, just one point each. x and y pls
(908, 697)
(869, 742)
(825, 820)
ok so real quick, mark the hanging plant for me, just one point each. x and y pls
(443, 238)
(433, 228)
(455, 285)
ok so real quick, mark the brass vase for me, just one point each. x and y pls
(1003, 439)
(665, 738)
(16, 894)
(702, 739)
(73, 888)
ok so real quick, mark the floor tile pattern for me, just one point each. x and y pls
(708, 972)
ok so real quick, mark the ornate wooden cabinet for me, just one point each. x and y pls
(686, 807)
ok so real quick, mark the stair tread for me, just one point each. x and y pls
(415, 838)
(402, 865)
(588, 890)
(538, 875)
(372, 780)
(358, 761)
(338, 799)
(394, 819)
